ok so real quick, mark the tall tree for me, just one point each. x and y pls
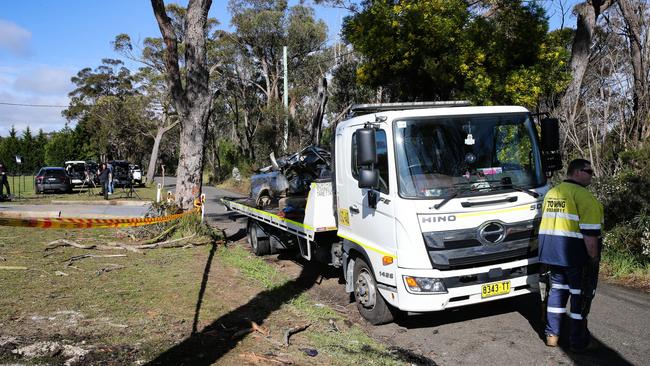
(635, 15)
(262, 28)
(190, 92)
(9, 149)
(433, 50)
(587, 15)
(108, 109)
(151, 78)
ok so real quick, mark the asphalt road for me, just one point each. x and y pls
(503, 332)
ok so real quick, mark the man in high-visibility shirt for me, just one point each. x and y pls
(569, 242)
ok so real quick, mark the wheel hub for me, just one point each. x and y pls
(365, 290)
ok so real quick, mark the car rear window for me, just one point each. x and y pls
(55, 173)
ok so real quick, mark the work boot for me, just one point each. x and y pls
(552, 340)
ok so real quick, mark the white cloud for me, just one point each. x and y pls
(48, 119)
(14, 38)
(44, 80)
(33, 85)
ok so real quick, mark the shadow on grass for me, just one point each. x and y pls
(204, 283)
(221, 336)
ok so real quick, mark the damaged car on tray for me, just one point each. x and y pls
(290, 176)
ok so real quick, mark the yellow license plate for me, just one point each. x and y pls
(495, 289)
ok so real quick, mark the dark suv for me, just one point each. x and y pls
(51, 179)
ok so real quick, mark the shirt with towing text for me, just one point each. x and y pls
(570, 211)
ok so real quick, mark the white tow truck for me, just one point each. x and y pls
(429, 206)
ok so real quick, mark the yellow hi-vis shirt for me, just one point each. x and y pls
(570, 211)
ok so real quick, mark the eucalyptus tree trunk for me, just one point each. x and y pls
(192, 98)
(587, 14)
(635, 21)
(162, 129)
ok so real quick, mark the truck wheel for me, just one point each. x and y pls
(258, 239)
(369, 301)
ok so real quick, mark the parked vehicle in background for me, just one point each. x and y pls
(76, 170)
(52, 179)
(136, 174)
(121, 173)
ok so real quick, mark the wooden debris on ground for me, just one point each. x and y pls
(255, 358)
(291, 331)
(111, 268)
(83, 256)
(11, 268)
(256, 327)
(174, 243)
(65, 243)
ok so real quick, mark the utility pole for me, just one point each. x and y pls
(285, 98)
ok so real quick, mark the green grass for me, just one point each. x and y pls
(253, 267)
(150, 301)
(22, 188)
(627, 269)
(349, 346)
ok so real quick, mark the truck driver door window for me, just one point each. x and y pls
(382, 159)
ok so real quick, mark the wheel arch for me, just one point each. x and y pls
(352, 251)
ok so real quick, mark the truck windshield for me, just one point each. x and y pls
(442, 156)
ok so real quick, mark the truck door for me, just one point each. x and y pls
(371, 228)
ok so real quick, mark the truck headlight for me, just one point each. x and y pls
(425, 285)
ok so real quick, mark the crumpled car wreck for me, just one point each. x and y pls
(290, 176)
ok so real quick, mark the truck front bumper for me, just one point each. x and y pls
(464, 286)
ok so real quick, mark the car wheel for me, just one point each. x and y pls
(370, 303)
(258, 239)
(264, 200)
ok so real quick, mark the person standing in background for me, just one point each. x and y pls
(3, 179)
(110, 178)
(103, 179)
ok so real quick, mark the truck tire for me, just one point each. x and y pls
(258, 239)
(370, 304)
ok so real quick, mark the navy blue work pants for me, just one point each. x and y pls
(566, 282)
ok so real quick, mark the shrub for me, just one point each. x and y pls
(626, 197)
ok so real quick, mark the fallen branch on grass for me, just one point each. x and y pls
(161, 235)
(289, 332)
(174, 243)
(256, 327)
(13, 267)
(83, 256)
(128, 247)
(65, 243)
(256, 359)
(113, 267)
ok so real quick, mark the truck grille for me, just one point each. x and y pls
(487, 259)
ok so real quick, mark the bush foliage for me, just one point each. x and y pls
(626, 197)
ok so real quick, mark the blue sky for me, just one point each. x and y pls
(44, 43)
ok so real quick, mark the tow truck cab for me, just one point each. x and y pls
(438, 204)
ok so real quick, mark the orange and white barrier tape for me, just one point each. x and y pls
(79, 223)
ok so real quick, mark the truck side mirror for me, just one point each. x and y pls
(550, 139)
(368, 177)
(366, 147)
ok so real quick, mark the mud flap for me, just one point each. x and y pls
(349, 275)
